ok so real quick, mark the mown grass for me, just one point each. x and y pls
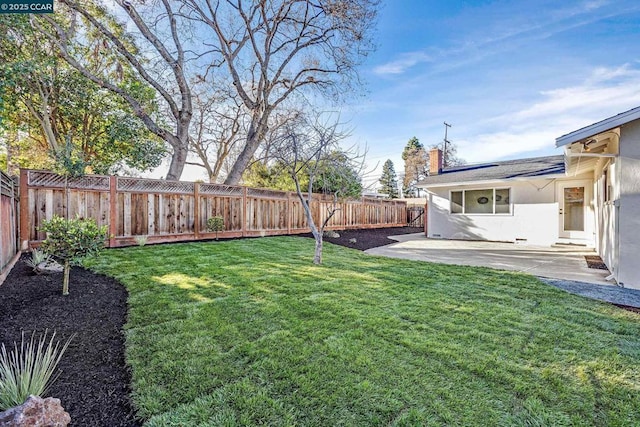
(250, 332)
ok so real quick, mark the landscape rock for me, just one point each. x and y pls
(36, 412)
(49, 267)
(331, 234)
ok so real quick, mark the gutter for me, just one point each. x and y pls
(491, 181)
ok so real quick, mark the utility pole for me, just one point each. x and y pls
(446, 141)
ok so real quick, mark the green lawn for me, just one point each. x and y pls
(250, 332)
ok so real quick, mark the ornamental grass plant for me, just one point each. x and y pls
(29, 368)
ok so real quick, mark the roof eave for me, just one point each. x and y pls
(599, 127)
(490, 181)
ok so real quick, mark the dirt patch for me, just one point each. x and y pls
(368, 238)
(93, 385)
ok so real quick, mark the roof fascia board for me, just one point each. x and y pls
(490, 182)
(599, 127)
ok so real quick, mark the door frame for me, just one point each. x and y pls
(587, 233)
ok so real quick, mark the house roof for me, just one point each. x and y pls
(537, 167)
(599, 127)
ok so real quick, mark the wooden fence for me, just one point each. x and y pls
(175, 210)
(415, 216)
(9, 250)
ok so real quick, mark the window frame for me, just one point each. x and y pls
(493, 198)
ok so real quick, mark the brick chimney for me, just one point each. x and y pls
(435, 161)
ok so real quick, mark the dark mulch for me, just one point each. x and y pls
(368, 238)
(628, 308)
(594, 261)
(93, 385)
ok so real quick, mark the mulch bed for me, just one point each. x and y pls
(93, 385)
(368, 238)
(594, 261)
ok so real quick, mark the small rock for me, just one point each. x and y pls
(36, 412)
(353, 240)
(331, 234)
(48, 267)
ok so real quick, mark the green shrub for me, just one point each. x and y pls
(28, 369)
(215, 224)
(141, 240)
(71, 240)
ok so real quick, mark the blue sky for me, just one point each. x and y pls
(510, 76)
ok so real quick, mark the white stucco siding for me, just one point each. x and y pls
(629, 211)
(606, 211)
(533, 218)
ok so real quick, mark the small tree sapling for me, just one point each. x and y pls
(70, 240)
(309, 148)
(215, 224)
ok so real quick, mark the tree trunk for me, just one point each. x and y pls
(243, 160)
(255, 137)
(317, 257)
(65, 280)
(178, 160)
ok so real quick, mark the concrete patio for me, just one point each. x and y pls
(562, 267)
(565, 263)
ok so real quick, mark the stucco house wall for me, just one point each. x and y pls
(629, 210)
(606, 211)
(533, 218)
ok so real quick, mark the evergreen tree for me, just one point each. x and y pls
(389, 180)
(415, 166)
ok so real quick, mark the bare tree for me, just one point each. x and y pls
(218, 129)
(306, 147)
(157, 56)
(275, 50)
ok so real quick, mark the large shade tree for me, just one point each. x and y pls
(268, 53)
(47, 106)
(276, 52)
(152, 49)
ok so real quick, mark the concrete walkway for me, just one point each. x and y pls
(564, 267)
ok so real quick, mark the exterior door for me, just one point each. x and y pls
(574, 201)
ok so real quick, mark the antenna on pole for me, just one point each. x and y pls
(446, 141)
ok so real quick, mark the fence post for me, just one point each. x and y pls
(24, 210)
(196, 210)
(244, 211)
(363, 214)
(288, 212)
(426, 204)
(113, 211)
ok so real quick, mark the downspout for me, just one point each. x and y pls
(617, 203)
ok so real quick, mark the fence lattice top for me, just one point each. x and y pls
(53, 180)
(154, 186)
(7, 186)
(220, 190)
(48, 179)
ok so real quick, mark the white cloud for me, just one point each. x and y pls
(502, 145)
(605, 89)
(403, 63)
(603, 93)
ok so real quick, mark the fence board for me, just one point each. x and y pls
(9, 222)
(167, 211)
